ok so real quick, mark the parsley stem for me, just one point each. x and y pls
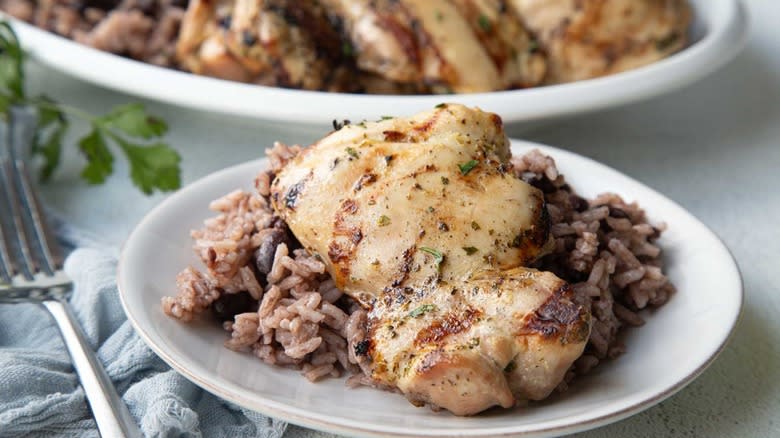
(43, 103)
(46, 104)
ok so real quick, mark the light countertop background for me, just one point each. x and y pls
(714, 147)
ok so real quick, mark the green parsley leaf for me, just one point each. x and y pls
(470, 250)
(387, 117)
(475, 226)
(352, 152)
(100, 162)
(50, 148)
(423, 309)
(445, 180)
(383, 221)
(133, 121)
(11, 66)
(441, 105)
(465, 168)
(438, 257)
(52, 126)
(152, 167)
(484, 23)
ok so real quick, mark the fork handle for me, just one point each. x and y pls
(110, 412)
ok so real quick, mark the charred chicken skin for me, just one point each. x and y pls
(584, 39)
(422, 222)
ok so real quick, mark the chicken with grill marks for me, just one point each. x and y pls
(421, 220)
(362, 45)
(588, 38)
(452, 45)
(271, 42)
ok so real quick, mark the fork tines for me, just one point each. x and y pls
(26, 244)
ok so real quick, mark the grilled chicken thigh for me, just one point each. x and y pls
(589, 38)
(361, 45)
(274, 42)
(369, 196)
(421, 221)
(454, 45)
(493, 338)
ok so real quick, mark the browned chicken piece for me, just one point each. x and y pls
(492, 339)
(361, 45)
(589, 38)
(273, 42)
(368, 196)
(452, 45)
(421, 220)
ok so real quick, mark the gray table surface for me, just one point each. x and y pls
(714, 147)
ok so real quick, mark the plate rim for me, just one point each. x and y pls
(721, 42)
(295, 415)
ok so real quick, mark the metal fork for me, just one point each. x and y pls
(31, 271)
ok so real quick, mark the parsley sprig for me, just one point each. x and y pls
(154, 165)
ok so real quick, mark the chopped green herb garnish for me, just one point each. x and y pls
(425, 308)
(484, 23)
(470, 250)
(441, 105)
(533, 46)
(383, 221)
(465, 168)
(439, 15)
(431, 210)
(667, 42)
(438, 257)
(352, 152)
(347, 49)
(445, 180)
(387, 117)
(475, 226)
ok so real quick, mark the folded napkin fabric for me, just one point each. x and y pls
(39, 391)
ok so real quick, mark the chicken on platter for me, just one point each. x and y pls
(376, 46)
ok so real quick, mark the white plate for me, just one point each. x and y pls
(718, 34)
(678, 342)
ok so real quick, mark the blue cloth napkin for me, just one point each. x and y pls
(40, 393)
